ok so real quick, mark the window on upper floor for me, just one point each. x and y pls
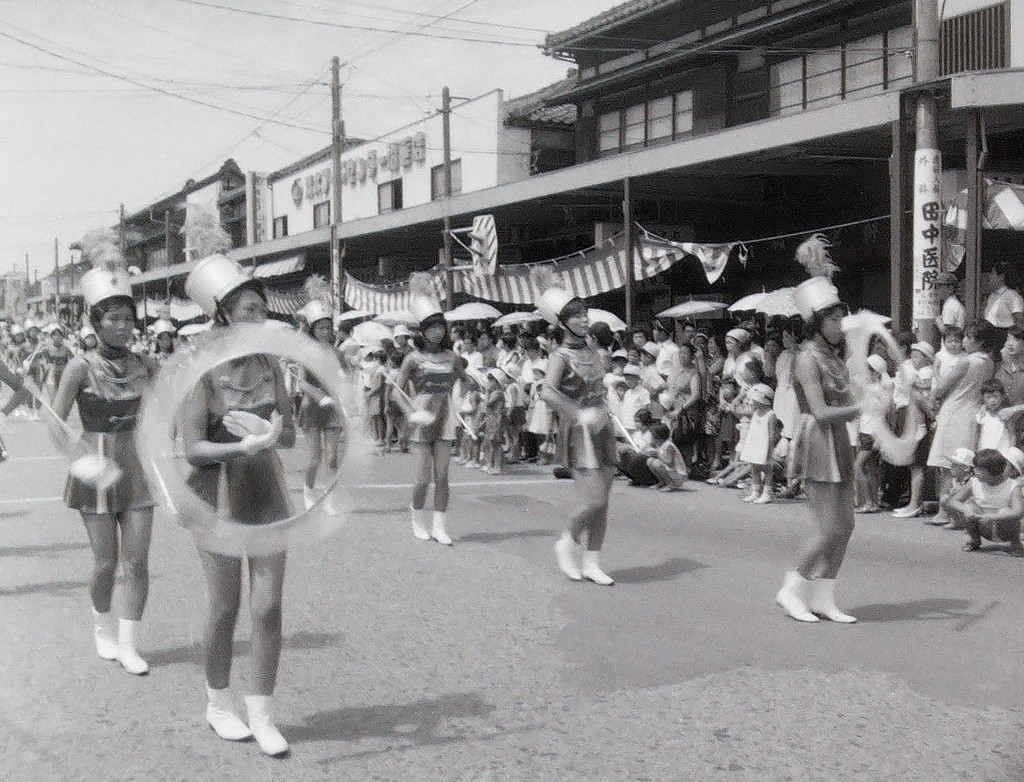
(280, 226)
(437, 180)
(322, 214)
(661, 119)
(975, 41)
(389, 196)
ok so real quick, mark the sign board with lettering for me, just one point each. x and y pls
(927, 248)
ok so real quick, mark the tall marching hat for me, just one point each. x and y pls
(108, 278)
(424, 305)
(552, 298)
(818, 293)
(318, 307)
(216, 275)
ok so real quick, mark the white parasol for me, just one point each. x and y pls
(473, 310)
(689, 309)
(747, 302)
(396, 317)
(616, 323)
(370, 334)
(778, 303)
(345, 317)
(514, 318)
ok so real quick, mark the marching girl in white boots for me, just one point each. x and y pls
(574, 389)
(232, 422)
(107, 384)
(821, 456)
(431, 370)
(318, 418)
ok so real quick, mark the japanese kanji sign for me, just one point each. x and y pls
(927, 231)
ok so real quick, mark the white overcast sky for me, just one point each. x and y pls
(74, 143)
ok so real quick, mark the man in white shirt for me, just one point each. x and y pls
(1004, 307)
(952, 310)
(667, 358)
(635, 398)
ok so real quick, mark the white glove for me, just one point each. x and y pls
(594, 418)
(242, 423)
(326, 401)
(421, 418)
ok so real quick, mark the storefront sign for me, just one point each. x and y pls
(395, 158)
(927, 231)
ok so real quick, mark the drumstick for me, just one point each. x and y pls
(625, 432)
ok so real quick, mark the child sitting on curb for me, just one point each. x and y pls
(991, 504)
(665, 460)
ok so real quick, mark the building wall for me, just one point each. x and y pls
(951, 8)
(490, 154)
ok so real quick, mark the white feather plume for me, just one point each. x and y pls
(317, 288)
(814, 256)
(102, 249)
(544, 277)
(422, 284)
(204, 234)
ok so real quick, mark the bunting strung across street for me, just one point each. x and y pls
(384, 298)
(598, 269)
(1002, 207)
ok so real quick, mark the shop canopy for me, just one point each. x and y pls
(1002, 208)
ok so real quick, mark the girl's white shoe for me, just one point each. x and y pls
(591, 569)
(222, 716)
(127, 655)
(567, 553)
(104, 634)
(261, 723)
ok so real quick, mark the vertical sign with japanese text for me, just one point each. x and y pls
(927, 231)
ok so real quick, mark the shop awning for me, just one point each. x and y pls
(285, 301)
(162, 273)
(279, 268)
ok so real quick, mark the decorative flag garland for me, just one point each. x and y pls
(1002, 208)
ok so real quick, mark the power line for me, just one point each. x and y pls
(343, 26)
(414, 31)
(137, 83)
(449, 18)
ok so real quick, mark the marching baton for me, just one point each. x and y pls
(625, 432)
(467, 427)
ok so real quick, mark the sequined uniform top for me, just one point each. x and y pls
(432, 375)
(821, 449)
(582, 381)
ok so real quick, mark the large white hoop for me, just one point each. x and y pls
(896, 449)
(168, 471)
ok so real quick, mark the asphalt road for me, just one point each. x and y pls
(410, 661)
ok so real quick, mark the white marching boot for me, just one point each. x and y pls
(261, 723)
(127, 655)
(419, 524)
(222, 716)
(591, 569)
(567, 551)
(823, 601)
(794, 595)
(437, 531)
(307, 497)
(104, 634)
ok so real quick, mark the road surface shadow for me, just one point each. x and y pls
(500, 537)
(913, 610)
(378, 511)
(11, 514)
(48, 549)
(410, 723)
(193, 653)
(665, 571)
(56, 588)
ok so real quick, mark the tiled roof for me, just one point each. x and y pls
(533, 108)
(617, 15)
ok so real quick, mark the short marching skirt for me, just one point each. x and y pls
(444, 424)
(821, 452)
(246, 490)
(579, 448)
(130, 492)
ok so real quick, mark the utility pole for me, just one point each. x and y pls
(56, 278)
(927, 222)
(168, 244)
(446, 126)
(337, 142)
(120, 231)
(627, 219)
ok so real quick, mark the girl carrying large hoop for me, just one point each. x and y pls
(574, 389)
(821, 456)
(232, 422)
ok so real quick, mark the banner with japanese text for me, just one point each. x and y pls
(927, 231)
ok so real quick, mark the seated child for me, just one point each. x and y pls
(991, 504)
(665, 460)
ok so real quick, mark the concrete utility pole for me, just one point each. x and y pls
(337, 142)
(627, 220)
(927, 222)
(446, 127)
(56, 278)
(120, 231)
(168, 246)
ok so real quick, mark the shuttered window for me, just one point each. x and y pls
(975, 41)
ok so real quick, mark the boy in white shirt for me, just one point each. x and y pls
(635, 397)
(991, 504)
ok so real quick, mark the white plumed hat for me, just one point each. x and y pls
(108, 277)
(552, 298)
(423, 302)
(212, 279)
(817, 293)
